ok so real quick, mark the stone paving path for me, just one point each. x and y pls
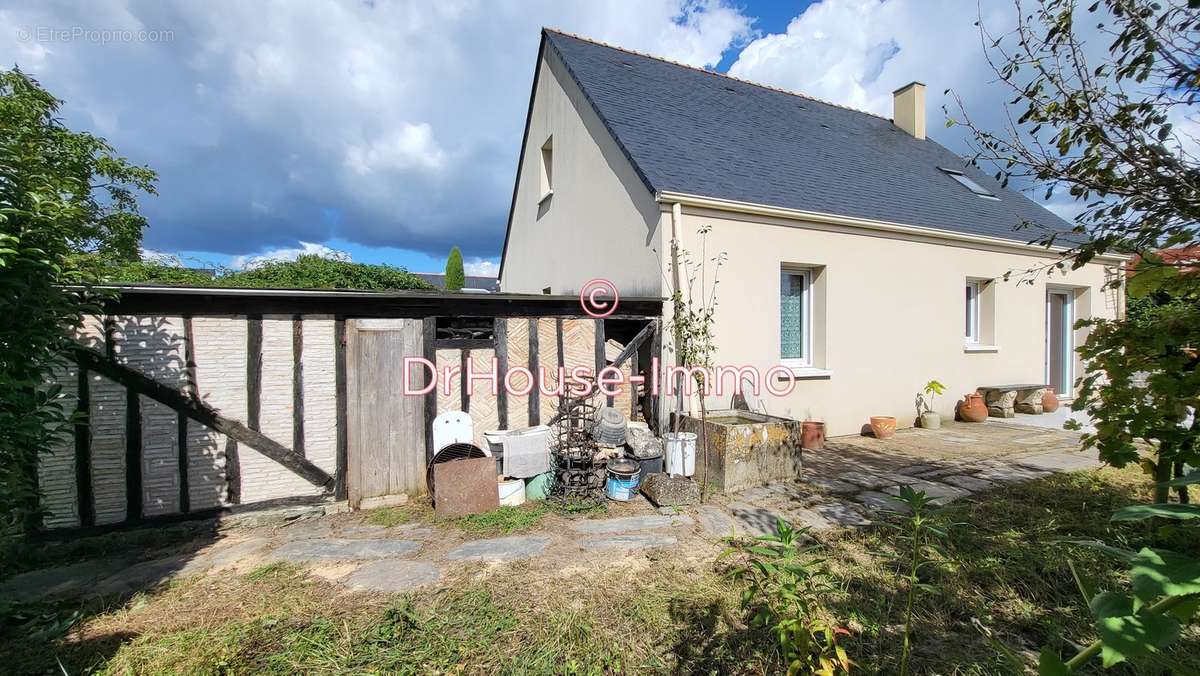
(851, 483)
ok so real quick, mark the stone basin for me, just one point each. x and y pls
(746, 449)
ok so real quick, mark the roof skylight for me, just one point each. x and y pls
(968, 183)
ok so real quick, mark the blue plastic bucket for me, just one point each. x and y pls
(622, 483)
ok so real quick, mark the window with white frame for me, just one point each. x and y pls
(546, 173)
(974, 288)
(795, 317)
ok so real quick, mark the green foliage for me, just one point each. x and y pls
(317, 272)
(925, 399)
(455, 278)
(148, 272)
(67, 205)
(1101, 126)
(505, 520)
(1164, 598)
(786, 587)
(920, 533)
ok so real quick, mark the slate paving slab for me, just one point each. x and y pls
(341, 549)
(940, 493)
(393, 575)
(59, 581)
(970, 483)
(882, 501)
(867, 480)
(835, 486)
(754, 519)
(630, 523)
(841, 514)
(628, 541)
(307, 529)
(808, 518)
(714, 521)
(512, 548)
(147, 574)
(1059, 462)
(1011, 474)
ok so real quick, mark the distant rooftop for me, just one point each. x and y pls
(438, 281)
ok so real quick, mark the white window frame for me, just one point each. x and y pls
(806, 309)
(546, 170)
(973, 306)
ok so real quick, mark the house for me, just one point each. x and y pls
(471, 282)
(862, 258)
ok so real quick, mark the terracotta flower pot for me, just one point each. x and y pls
(883, 426)
(972, 408)
(1049, 402)
(812, 435)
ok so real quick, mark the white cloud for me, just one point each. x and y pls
(399, 121)
(481, 267)
(161, 258)
(287, 254)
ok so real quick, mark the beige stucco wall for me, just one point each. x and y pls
(600, 222)
(888, 316)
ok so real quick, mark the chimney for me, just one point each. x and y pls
(908, 109)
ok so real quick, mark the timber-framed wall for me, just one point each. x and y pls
(191, 402)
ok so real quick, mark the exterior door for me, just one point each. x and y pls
(386, 432)
(1060, 342)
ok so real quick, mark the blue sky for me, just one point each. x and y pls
(389, 130)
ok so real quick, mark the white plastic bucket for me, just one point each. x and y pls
(679, 453)
(512, 492)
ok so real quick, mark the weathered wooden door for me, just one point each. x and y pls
(386, 435)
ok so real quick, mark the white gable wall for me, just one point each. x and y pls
(600, 222)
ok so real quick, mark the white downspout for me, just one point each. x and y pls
(677, 282)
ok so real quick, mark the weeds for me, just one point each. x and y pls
(503, 521)
(785, 584)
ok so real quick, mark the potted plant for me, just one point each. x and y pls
(812, 435)
(930, 419)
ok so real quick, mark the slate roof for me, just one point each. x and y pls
(693, 131)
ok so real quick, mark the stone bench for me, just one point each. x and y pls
(1004, 400)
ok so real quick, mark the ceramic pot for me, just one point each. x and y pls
(812, 435)
(931, 420)
(883, 426)
(1049, 402)
(972, 408)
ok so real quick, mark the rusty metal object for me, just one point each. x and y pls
(466, 486)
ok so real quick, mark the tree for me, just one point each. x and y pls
(67, 205)
(455, 278)
(1103, 125)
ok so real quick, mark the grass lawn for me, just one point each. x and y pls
(660, 611)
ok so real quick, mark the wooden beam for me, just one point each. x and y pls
(185, 497)
(558, 340)
(391, 305)
(500, 333)
(233, 472)
(189, 352)
(254, 341)
(343, 440)
(133, 446)
(298, 384)
(464, 395)
(634, 400)
(634, 344)
(464, 344)
(83, 451)
(535, 407)
(601, 358)
(429, 351)
(139, 384)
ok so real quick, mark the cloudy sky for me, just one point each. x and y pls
(389, 129)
